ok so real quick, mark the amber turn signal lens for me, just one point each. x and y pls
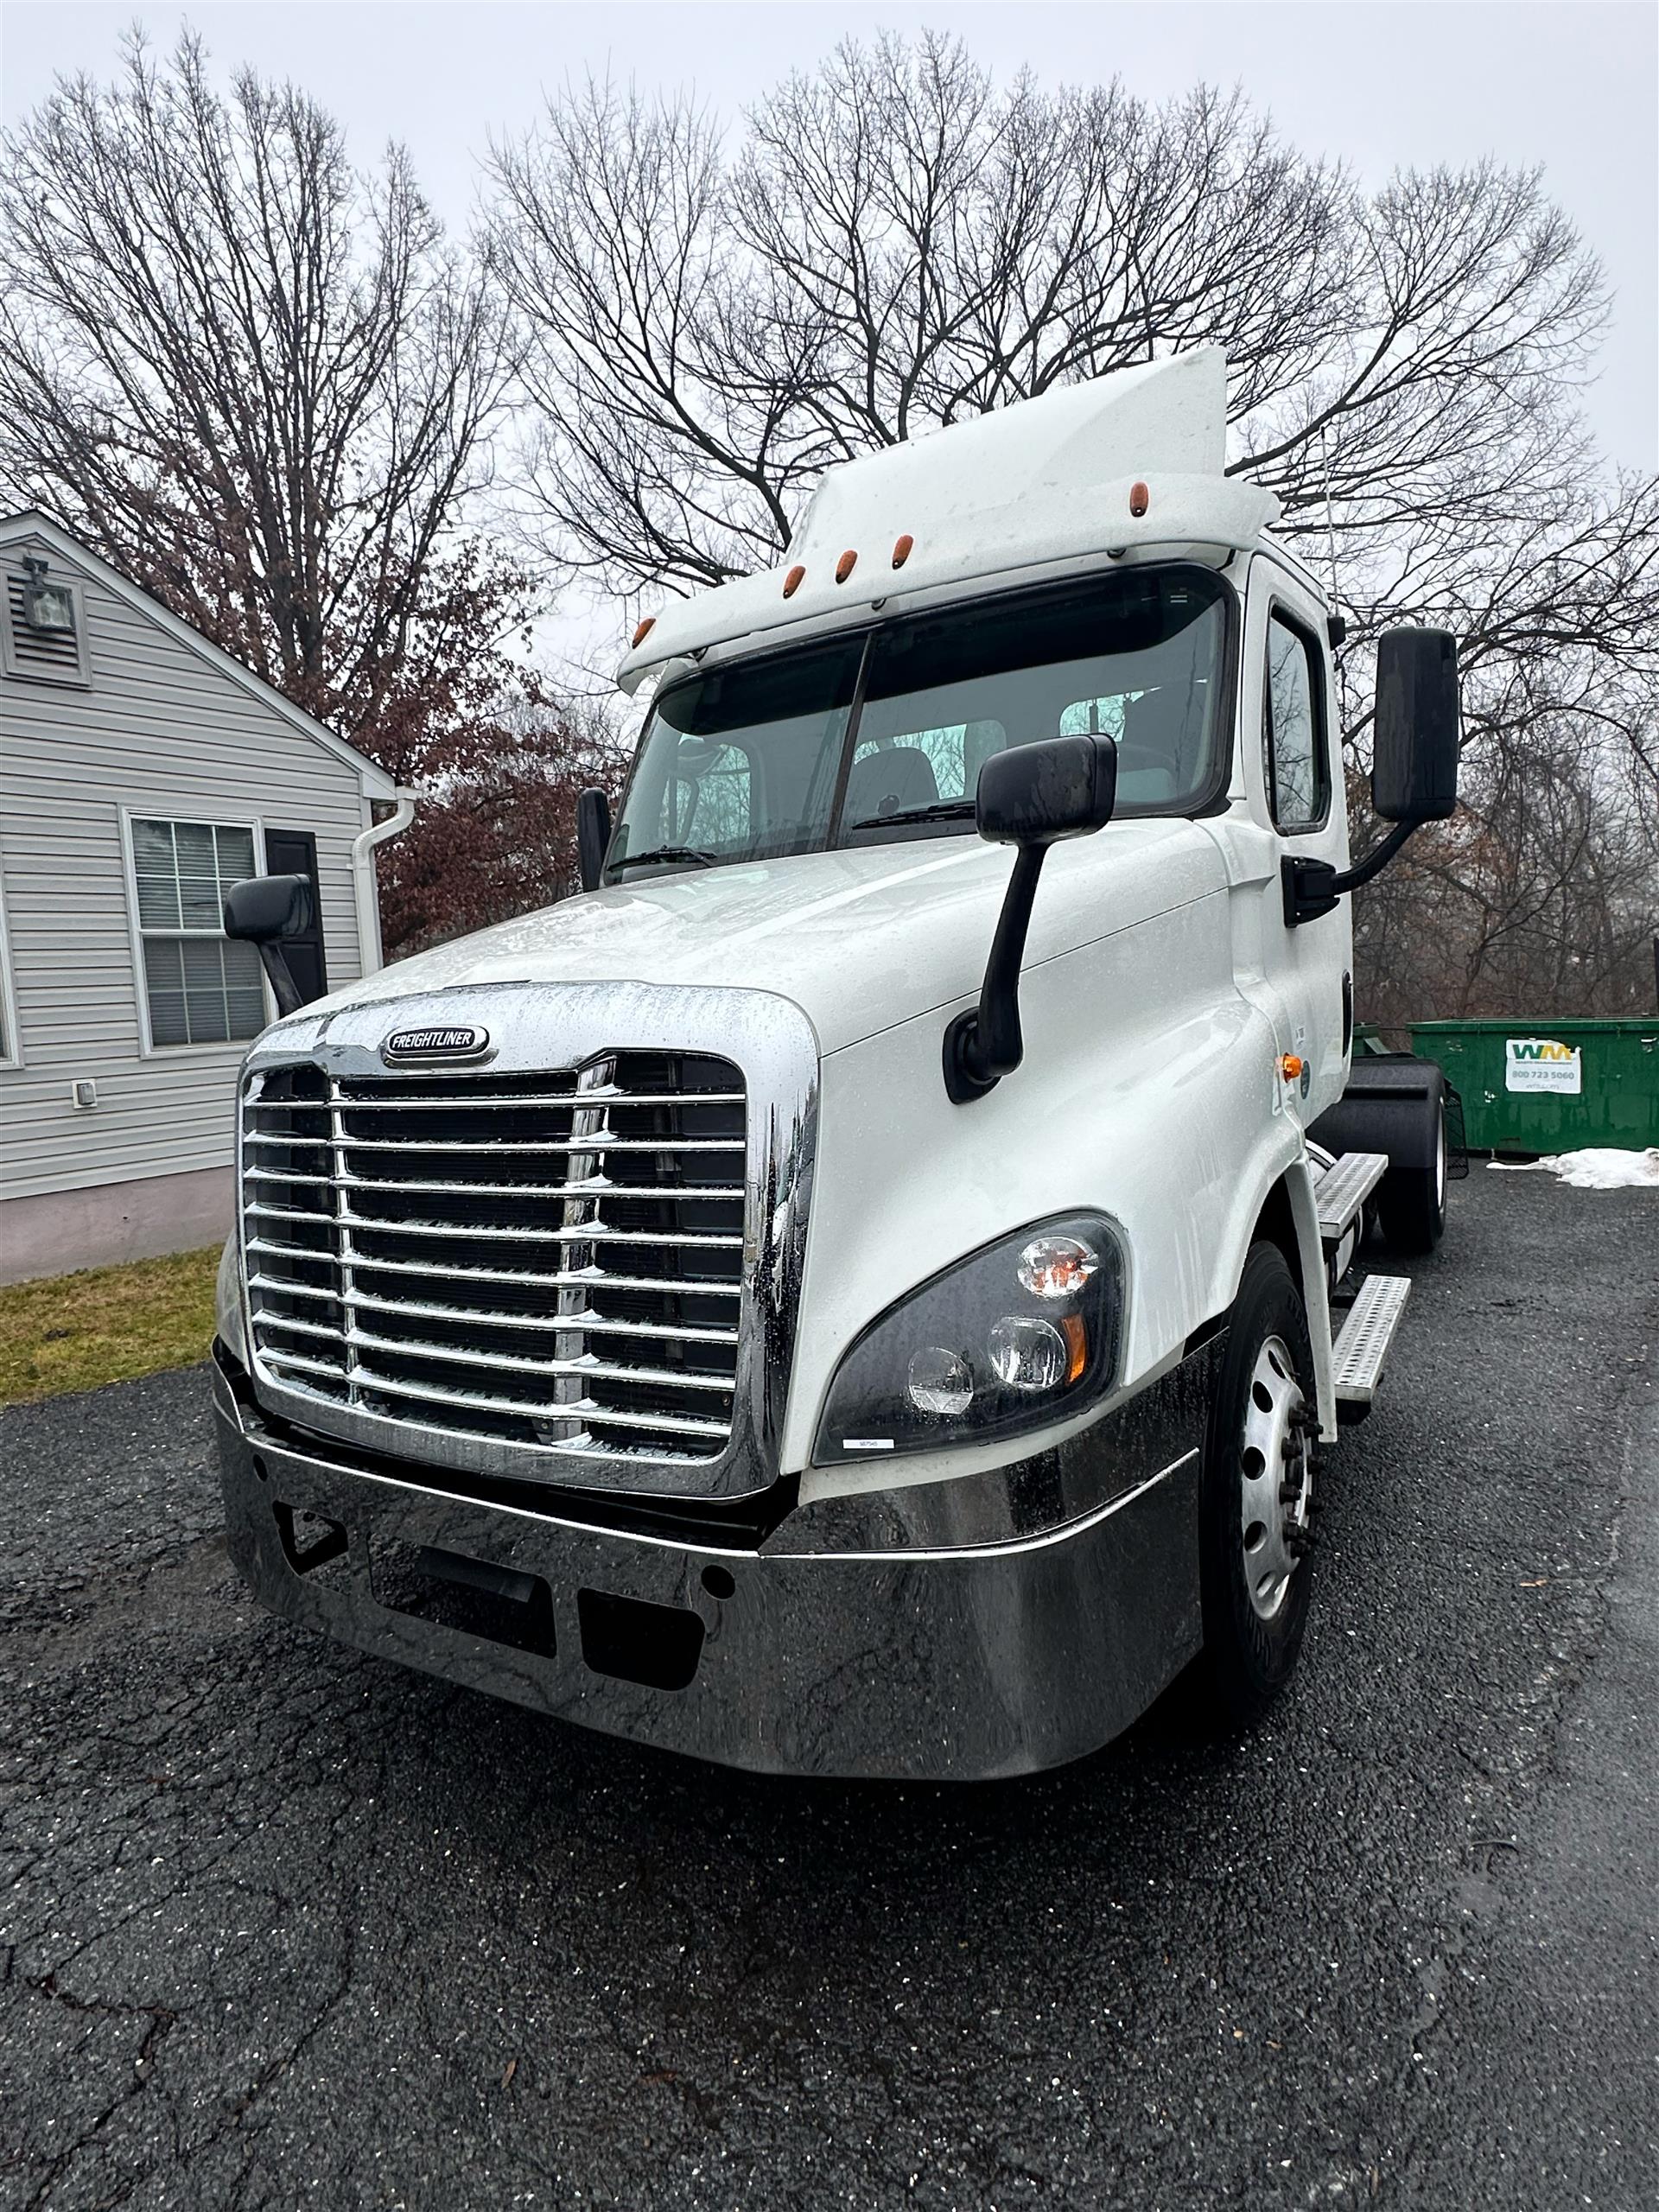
(1077, 1345)
(793, 580)
(845, 566)
(901, 549)
(1291, 1067)
(1140, 498)
(645, 630)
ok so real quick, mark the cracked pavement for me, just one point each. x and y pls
(285, 1925)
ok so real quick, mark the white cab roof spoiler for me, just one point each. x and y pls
(1130, 459)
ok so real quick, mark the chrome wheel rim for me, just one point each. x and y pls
(1276, 1465)
(1440, 1160)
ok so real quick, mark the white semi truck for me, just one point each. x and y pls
(857, 1290)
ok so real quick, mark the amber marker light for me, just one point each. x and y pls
(645, 630)
(1291, 1067)
(793, 580)
(1077, 1345)
(845, 566)
(902, 550)
(1140, 498)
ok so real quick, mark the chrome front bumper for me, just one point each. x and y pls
(986, 1626)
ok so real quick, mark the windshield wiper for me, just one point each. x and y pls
(938, 809)
(697, 858)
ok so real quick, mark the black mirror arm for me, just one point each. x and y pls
(982, 1046)
(1313, 887)
(274, 960)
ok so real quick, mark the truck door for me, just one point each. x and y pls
(1309, 965)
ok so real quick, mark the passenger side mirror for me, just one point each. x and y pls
(1414, 764)
(1031, 796)
(593, 837)
(261, 910)
(1414, 760)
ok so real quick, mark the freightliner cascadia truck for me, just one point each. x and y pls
(870, 1287)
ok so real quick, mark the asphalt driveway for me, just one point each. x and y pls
(286, 1926)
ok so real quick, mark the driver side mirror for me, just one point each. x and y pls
(262, 909)
(1415, 757)
(1031, 796)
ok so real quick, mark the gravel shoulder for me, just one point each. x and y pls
(285, 1924)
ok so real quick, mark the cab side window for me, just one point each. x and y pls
(1298, 778)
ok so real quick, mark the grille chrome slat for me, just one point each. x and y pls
(569, 1279)
(362, 1236)
(431, 1188)
(665, 1146)
(564, 1102)
(370, 1381)
(417, 1348)
(592, 1324)
(594, 1232)
(584, 1370)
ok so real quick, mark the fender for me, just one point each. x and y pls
(1295, 1177)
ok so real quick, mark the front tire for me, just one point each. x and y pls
(1256, 1495)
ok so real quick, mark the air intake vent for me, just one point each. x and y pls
(52, 655)
(552, 1261)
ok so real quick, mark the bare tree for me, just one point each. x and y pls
(892, 244)
(257, 383)
(895, 245)
(1541, 896)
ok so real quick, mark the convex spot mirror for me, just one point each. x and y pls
(266, 907)
(1037, 794)
(263, 910)
(1414, 760)
(1031, 796)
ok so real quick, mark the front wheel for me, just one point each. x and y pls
(1257, 1495)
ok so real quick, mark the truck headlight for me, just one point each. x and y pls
(1018, 1336)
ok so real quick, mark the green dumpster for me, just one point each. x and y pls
(1550, 1086)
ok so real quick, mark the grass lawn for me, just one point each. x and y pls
(105, 1324)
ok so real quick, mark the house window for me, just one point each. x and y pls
(201, 987)
(44, 630)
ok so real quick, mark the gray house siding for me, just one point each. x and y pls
(164, 732)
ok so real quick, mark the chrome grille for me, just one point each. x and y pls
(546, 1260)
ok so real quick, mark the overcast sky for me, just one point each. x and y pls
(1380, 83)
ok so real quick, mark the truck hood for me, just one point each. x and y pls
(859, 940)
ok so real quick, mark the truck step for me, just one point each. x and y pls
(1343, 1190)
(1358, 1356)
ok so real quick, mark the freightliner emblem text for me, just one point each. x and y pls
(461, 1041)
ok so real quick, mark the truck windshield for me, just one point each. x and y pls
(881, 735)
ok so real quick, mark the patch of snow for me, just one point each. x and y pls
(1598, 1168)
